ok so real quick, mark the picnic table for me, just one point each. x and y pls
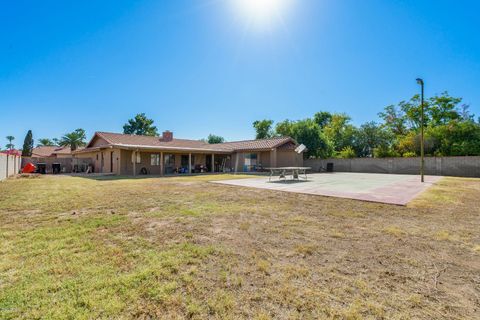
(296, 173)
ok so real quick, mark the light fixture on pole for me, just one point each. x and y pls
(422, 141)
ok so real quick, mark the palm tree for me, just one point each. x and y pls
(74, 139)
(10, 145)
(44, 142)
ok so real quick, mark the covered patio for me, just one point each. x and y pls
(163, 163)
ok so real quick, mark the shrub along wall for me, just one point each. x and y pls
(441, 166)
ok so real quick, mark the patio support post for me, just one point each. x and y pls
(161, 164)
(134, 158)
(119, 169)
(189, 163)
(273, 158)
(213, 163)
(236, 162)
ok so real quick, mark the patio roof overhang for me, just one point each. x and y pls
(170, 148)
(155, 148)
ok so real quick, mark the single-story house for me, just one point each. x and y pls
(125, 154)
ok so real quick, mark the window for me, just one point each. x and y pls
(155, 159)
(250, 162)
(251, 159)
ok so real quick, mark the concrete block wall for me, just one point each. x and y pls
(441, 166)
(9, 165)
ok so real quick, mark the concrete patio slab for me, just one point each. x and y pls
(385, 188)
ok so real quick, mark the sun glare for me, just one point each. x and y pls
(262, 13)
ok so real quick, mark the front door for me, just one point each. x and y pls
(169, 163)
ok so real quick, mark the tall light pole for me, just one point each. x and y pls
(422, 141)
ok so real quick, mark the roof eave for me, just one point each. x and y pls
(168, 148)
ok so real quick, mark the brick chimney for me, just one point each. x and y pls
(167, 136)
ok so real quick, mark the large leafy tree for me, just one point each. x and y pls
(214, 139)
(372, 136)
(45, 142)
(309, 133)
(74, 139)
(322, 118)
(285, 128)
(28, 145)
(439, 110)
(140, 125)
(457, 138)
(339, 131)
(263, 129)
(394, 119)
(443, 109)
(10, 145)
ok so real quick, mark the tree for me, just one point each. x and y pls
(309, 133)
(439, 110)
(140, 125)
(263, 129)
(322, 118)
(394, 119)
(457, 138)
(465, 113)
(10, 145)
(28, 145)
(339, 131)
(443, 109)
(214, 139)
(285, 128)
(371, 136)
(45, 142)
(412, 110)
(74, 139)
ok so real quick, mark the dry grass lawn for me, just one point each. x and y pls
(168, 248)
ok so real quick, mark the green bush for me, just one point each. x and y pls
(384, 152)
(409, 154)
(347, 153)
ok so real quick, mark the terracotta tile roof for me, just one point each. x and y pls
(129, 140)
(261, 144)
(50, 151)
(137, 141)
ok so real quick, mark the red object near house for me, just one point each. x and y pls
(29, 168)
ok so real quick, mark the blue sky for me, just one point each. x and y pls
(198, 67)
